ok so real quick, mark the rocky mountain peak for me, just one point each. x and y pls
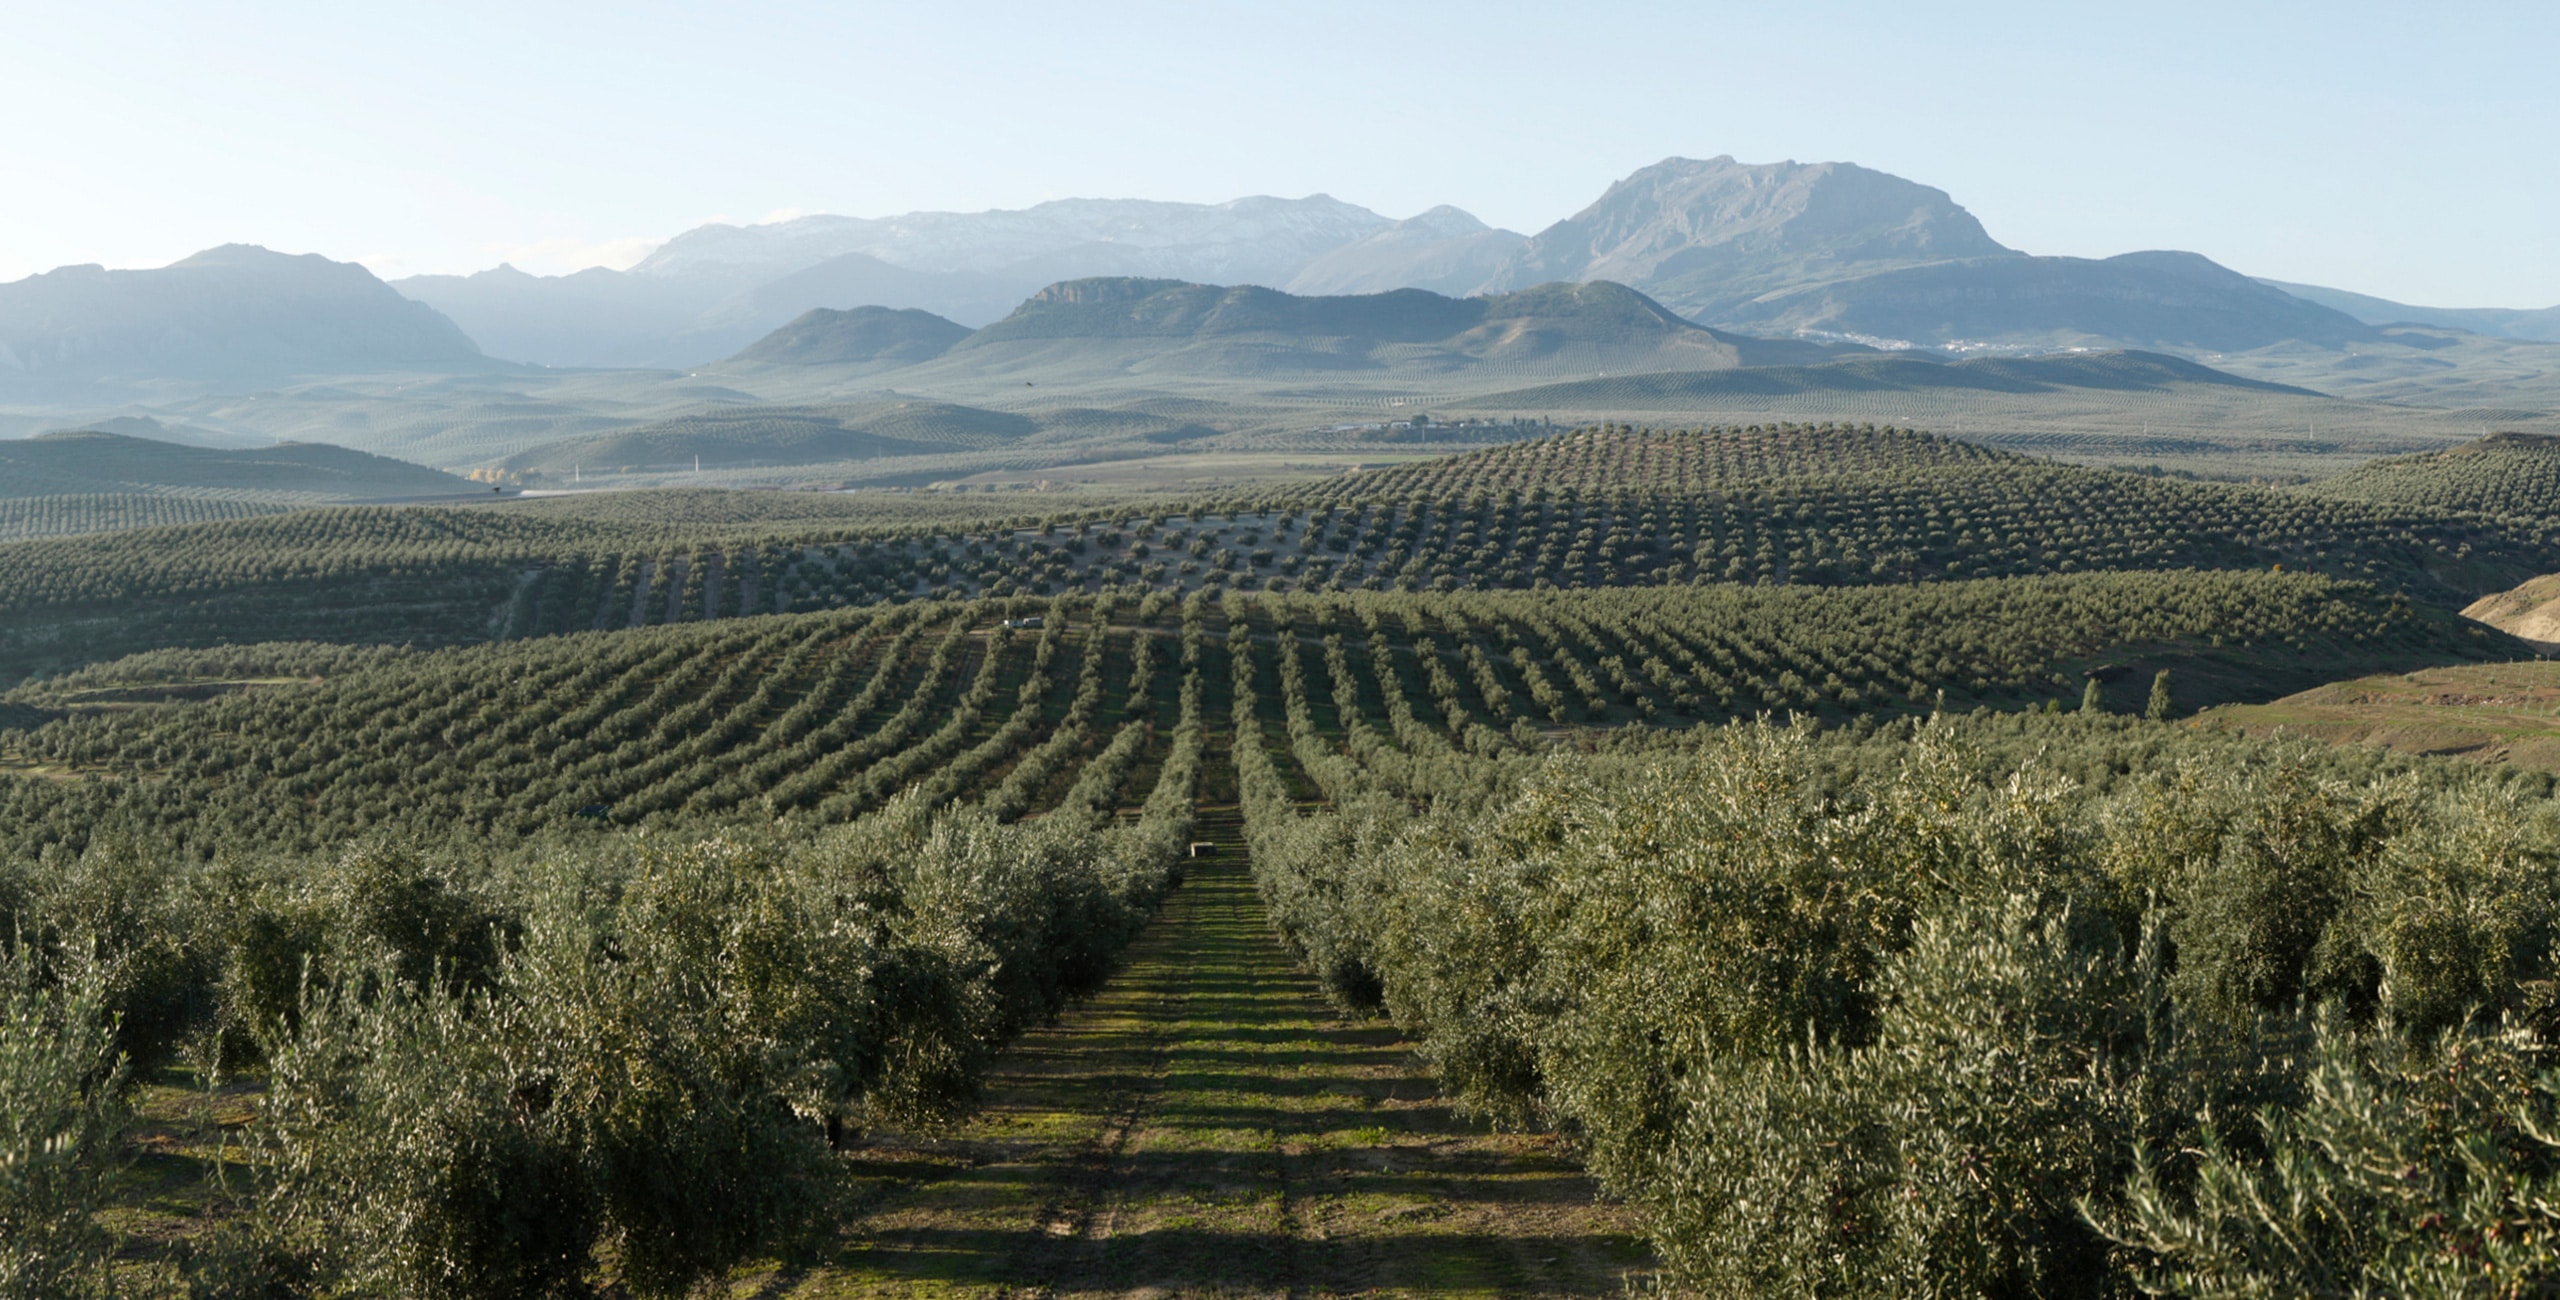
(1699, 232)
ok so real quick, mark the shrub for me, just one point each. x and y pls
(60, 1121)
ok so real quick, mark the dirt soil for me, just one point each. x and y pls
(1208, 1126)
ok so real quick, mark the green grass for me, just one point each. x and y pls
(1208, 1126)
(2494, 713)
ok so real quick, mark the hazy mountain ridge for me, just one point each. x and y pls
(1819, 249)
(1444, 250)
(1823, 251)
(2541, 325)
(233, 315)
(592, 317)
(1243, 240)
(712, 290)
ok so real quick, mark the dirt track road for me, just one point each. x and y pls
(1208, 1127)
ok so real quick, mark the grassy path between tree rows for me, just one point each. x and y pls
(1208, 1126)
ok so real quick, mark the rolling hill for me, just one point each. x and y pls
(2145, 300)
(177, 431)
(853, 278)
(779, 436)
(85, 462)
(2129, 372)
(1736, 507)
(2502, 474)
(876, 337)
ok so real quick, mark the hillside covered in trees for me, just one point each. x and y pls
(2515, 474)
(1610, 506)
(576, 893)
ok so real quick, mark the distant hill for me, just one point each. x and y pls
(186, 435)
(2502, 474)
(1260, 238)
(2144, 300)
(1176, 327)
(879, 337)
(855, 281)
(58, 464)
(2538, 324)
(233, 315)
(76, 513)
(2113, 371)
(779, 436)
(1615, 458)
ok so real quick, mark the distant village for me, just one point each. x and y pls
(1419, 427)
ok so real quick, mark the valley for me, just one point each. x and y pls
(1755, 740)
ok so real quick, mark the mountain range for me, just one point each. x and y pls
(1819, 250)
(1828, 252)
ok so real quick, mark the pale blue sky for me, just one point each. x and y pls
(2398, 149)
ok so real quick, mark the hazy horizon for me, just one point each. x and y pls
(2353, 146)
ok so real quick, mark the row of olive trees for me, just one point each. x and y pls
(1876, 1017)
(624, 1062)
(1778, 505)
